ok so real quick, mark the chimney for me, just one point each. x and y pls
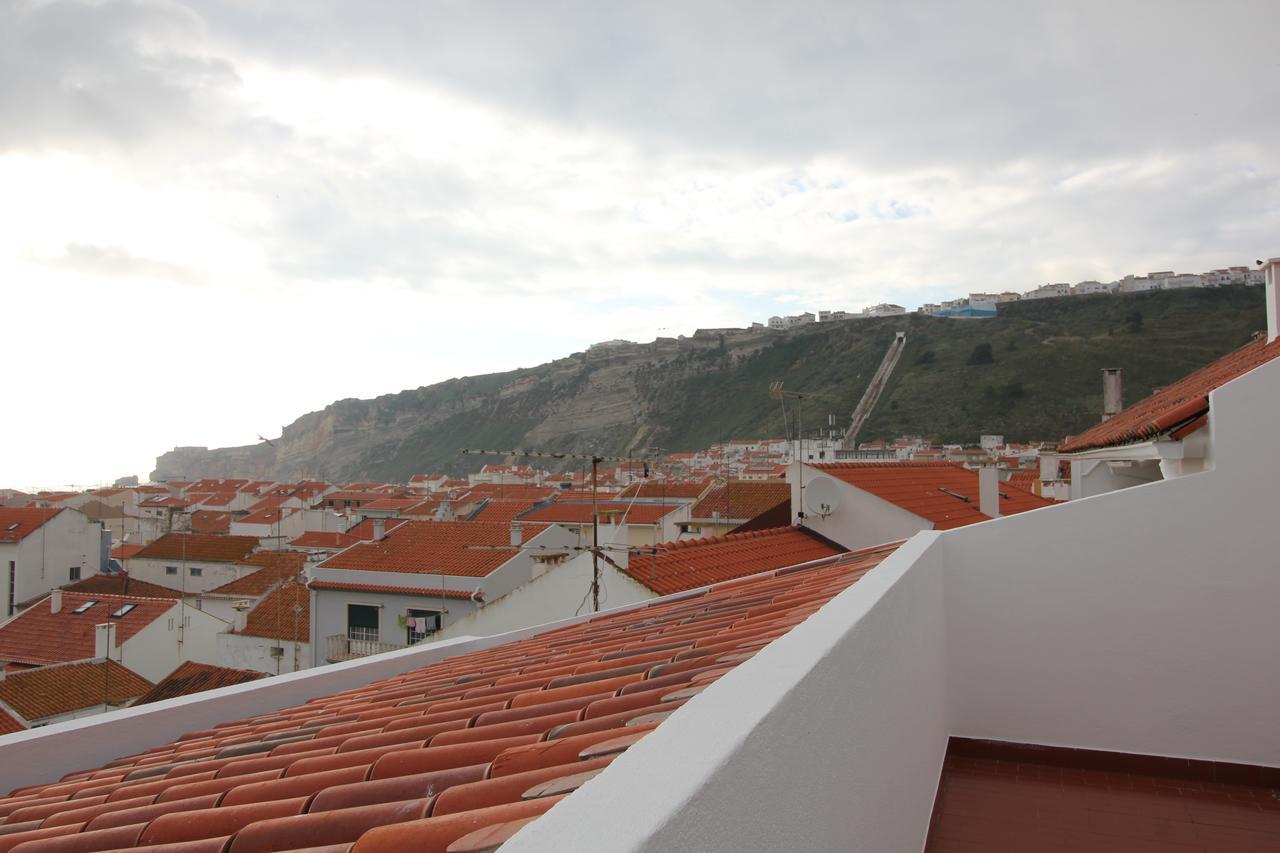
(517, 534)
(55, 601)
(1112, 378)
(104, 640)
(1272, 271)
(379, 529)
(989, 490)
(1048, 466)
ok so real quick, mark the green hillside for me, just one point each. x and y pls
(1032, 373)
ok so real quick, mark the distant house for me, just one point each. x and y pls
(149, 635)
(67, 691)
(45, 548)
(192, 562)
(193, 677)
(732, 504)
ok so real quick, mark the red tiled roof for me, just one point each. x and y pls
(165, 501)
(567, 513)
(324, 539)
(353, 496)
(654, 489)
(691, 563)
(199, 547)
(1181, 403)
(270, 568)
(1024, 479)
(511, 490)
(207, 521)
(434, 548)
(17, 523)
(502, 510)
(124, 550)
(583, 495)
(741, 499)
(425, 591)
(265, 516)
(284, 614)
(52, 690)
(417, 761)
(37, 636)
(192, 677)
(918, 487)
(9, 723)
(121, 584)
(364, 530)
(392, 504)
(269, 502)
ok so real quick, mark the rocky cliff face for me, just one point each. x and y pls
(673, 395)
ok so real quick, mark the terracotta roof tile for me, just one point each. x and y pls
(192, 677)
(124, 550)
(284, 614)
(9, 723)
(426, 758)
(691, 563)
(1182, 402)
(121, 584)
(17, 523)
(267, 516)
(324, 539)
(665, 489)
(918, 488)
(429, 592)
(502, 510)
(741, 500)
(363, 531)
(269, 568)
(52, 690)
(39, 636)
(433, 548)
(207, 521)
(200, 547)
(629, 513)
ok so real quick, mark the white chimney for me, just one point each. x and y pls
(1048, 466)
(379, 529)
(55, 601)
(989, 491)
(1272, 271)
(104, 640)
(1112, 379)
(517, 534)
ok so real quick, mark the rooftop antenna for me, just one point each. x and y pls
(595, 460)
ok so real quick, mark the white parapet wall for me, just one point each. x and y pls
(830, 738)
(1142, 620)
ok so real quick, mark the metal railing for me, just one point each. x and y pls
(340, 647)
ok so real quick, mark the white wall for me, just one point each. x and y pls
(241, 651)
(211, 574)
(155, 651)
(558, 594)
(44, 559)
(1141, 620)
(838, 729)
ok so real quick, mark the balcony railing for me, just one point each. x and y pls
(340, 647)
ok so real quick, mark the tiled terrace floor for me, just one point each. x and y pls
(993, 805)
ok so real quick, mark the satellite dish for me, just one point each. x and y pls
(821, 496)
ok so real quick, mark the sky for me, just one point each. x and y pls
(217, 216)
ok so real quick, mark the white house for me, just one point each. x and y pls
(45, 548)
(192, 562)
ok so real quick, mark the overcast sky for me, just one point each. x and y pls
(217, 216)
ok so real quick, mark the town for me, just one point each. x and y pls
(979, 305)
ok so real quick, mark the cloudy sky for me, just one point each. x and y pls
(215, 216)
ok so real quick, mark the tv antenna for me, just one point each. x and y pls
(596, 551)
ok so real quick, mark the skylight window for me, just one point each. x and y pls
(83, 607)
(123, 611)
(13, 526)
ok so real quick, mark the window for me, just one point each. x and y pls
(75, 573)
(420, 623)
(13, 571)
(123, 611)
(362, 622)
(195, 571)
(170, 570)
(84, 607)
